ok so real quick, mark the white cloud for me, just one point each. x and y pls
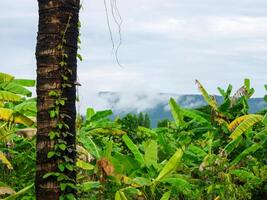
(166, 46)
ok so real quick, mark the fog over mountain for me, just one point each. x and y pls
(156, 105)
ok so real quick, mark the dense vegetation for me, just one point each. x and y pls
(213, 152)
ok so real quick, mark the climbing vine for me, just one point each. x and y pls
(58, 135)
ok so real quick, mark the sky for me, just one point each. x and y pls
(166, 45)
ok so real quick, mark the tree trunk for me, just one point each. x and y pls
(58, 26)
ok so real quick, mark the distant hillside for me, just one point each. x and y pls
(192, 101)
(157, 106)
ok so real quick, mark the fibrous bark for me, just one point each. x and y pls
(54, 16)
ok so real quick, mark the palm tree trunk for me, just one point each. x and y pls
(54, 17)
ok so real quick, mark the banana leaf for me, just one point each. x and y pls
(245, 125)
(176, 113)
(170, 166)
(134, 149)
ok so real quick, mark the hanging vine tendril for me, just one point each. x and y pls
(118, 21)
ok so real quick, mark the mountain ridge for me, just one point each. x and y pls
(156, 105)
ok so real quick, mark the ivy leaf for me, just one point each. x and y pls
(69, 166)
(51, 154)
(51, 174)
(52, 113)
(80, 57)
(62, 177)
(53, 93)
(63, 186)
(62, 147)
(52, 135)
(61, 167)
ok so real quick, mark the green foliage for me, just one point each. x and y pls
(17, 152)
(176, 113)
(245, 125)
(141, 119)
(170, 166)
(215, 152)
(134, 149)
(163, 123)
(147, 121)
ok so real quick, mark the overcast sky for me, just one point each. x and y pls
(166, 45)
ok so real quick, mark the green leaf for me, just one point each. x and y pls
(120, 195)
(124, 163)
(141, 181)
(146, 131)
(9, 96)
(262, 136)
(62, 146)
(69, 196)
(170, 166)
(89, 145)
(245, 125)
(232, 145)
(181, 183)
(252, 149)
(52, 135)
(134, 149)
(89, 113)
(223, 93)
(5, 77)
(193, 115)
(101, 115)
(107, 150)
(61, 167)
(53, 93)
(17, 89)
(52, 113)
(212, 102)
(62, 177)
(247, 84)
(151, 153)
(63, 186)
(245, 176)
(9, 115)
(80, 57)
(87, 186)
(24, 82)
(84, 165)
(197, 151)
(166, 196)
(69, 166)
(264, 120)
(5, 161)
(176, 112)
(56, 174)
(27, 107)
(60, 102)
(51, 154)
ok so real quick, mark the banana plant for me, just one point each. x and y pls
(165, 175)
(9, 84)
(17, 112)
(232, 106)
(14, 108)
